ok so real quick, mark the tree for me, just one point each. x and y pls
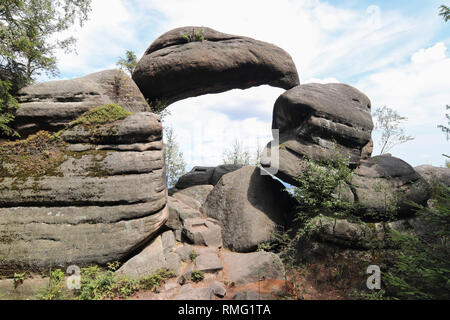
(128, 63)
(421, 269)
(7, 106)
(175, 164)
(444, 11)
(445, 129)
(28, 42)
(28, 33)
(388, 122)
(236, 154)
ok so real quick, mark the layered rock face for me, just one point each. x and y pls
(52, 105)
(92, 194)
(191, 61)
(249, 207)
(316, 120)
(384, 185)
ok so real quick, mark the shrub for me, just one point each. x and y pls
(198, 36)
(56, 288)
(197, 276)
(8, 105)
(153, 281)
(98, 284)
(319, 191)
(421, 268)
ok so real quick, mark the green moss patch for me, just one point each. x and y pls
(100, 115)
(38, 155)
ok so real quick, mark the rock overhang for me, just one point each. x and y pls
(173, 69)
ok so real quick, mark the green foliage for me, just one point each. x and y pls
(28, 30)
(100, 115)
(113, 266)
(193, 255)
(388, 122)
(99, 284)
(197, 276)
(445, 129)
(18, 278)
(319, 191)
(175, 164)
(320, 188)
(128, 63)
(153, 281)
(28, 41)
(56, 275)
(444, 11)
(421, 268)
(56, 288)
(193, 36)
(389, 200)
(8, 105)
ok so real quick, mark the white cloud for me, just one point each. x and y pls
(113, 27)
(205, 126)
(418, 90)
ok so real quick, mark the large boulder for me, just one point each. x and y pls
(68, 199)
(316, 120)
(384, 186)
(249, 207)
(204, 175)
(346, 234)
(154, 257)
(52, 105)
(245, 268)
(198, 192)
(434, 174)
(175, 68)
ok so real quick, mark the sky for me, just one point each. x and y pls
(396, 52)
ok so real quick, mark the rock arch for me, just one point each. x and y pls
(175, 68)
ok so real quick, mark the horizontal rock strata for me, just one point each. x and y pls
(78, 200)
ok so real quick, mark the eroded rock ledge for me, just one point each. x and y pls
(89, 194)
(173, 69)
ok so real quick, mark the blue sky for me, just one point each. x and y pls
(396, 52)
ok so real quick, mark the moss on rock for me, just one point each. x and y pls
(38, 155)
(100, 115)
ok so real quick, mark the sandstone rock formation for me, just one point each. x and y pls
(348, 234)
(204, 176)
(434, 174)
(52, 105)
(175, 67)
(198, 192)
(255, 266)
(314, 120)
(90, 194)
(249, 207)
(383, 185)
(157, 255)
